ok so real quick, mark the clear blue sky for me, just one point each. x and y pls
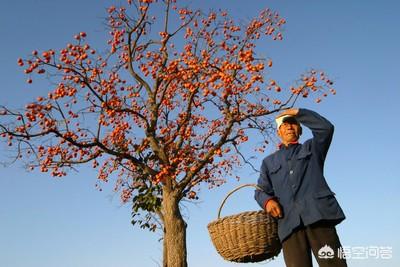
(46, 222)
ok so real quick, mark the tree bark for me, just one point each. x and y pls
(165, 251)
(174, 243)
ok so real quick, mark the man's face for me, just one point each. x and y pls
(289, 131)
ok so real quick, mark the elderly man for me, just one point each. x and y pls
(297, 194)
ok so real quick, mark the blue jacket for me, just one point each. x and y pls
(294, 175)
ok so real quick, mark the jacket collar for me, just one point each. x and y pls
(281, 145)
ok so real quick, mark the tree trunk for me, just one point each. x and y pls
(165, 252)
(174, 232)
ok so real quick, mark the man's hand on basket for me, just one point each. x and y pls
(274, 208)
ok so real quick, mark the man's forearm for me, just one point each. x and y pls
(320, 127)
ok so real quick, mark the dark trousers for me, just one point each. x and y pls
(320, 238)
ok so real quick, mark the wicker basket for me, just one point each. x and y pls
(245, 237)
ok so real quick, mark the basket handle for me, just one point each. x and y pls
(233, 191)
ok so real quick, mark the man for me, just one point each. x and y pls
(297, 194)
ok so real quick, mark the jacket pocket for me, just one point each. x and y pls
(324, 193)
(327, 206)
(274, 168)
(304, 155)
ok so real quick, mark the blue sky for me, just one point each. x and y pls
(67, 223)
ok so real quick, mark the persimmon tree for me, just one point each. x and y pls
(163, 111)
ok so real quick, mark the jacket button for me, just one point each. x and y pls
(291, 172)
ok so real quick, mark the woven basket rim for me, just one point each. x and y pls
(233, 216)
